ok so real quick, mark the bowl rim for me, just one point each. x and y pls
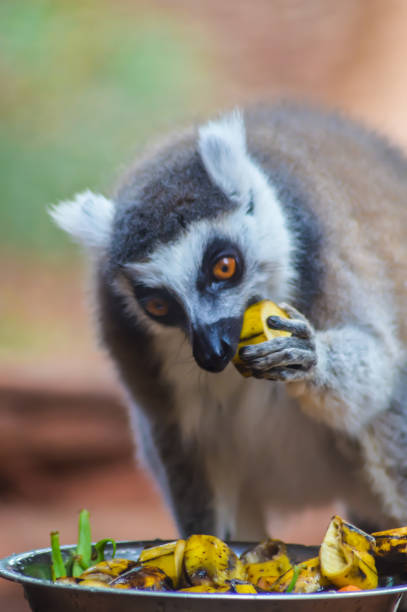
(9, 571)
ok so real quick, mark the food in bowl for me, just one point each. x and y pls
(349, 559)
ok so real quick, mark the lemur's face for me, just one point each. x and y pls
(204, 297)
(194, 241)
(202, 283)
(203, 280)
(221, 261)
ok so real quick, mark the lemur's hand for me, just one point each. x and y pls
(288, 358)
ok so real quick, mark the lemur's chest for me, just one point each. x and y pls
(250, 432)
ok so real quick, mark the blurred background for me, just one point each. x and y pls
(84, 85)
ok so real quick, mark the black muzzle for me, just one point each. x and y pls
(214, 345)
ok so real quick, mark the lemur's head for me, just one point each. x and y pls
(193, 237)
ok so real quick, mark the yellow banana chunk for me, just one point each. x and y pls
(346, 556)
(171, 563)
(242, 588)
(204, 588)
(209, 561)
(268, 571)
(143, 578)
(157, 551)
(98, 576)
(106, 570)
(305, 577)
(255, 329)
(391, 548)
(68, 580)
(264, 551)
(266, 562)
(93, 582)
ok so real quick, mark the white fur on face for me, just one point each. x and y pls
(87, 218)
(263, 241)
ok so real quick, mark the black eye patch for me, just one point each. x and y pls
(218, 249)
(161, 305)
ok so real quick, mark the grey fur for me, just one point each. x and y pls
(178, 472)
(328, 419)
(181, 192)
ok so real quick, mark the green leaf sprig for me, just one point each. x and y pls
(83, 556)
(58, 569)
(294, 579)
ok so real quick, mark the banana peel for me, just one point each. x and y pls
(255, 329)
(209, 561)
(390, 549)
(347, 556)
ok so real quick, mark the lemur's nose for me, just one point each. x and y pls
(214, 345)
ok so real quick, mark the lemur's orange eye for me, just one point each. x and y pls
(157, 307)
(224, 268)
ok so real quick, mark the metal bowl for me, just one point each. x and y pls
(32, 571)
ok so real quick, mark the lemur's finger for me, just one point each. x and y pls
(253, 351)
(297, 327)
(303, 358)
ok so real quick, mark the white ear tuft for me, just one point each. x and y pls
(87, 218)
(222, 146)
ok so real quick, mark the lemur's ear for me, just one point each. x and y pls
(222, 146)
(87, 218)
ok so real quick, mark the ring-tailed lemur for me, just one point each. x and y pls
(298, 206)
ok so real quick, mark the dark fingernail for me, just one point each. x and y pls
(274, 322)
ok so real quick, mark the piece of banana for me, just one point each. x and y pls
(153, 552)
(305, 577)
(204, 588)
(391, 549)
(266, 562)
(255, 329)
(242, 588)
(93, 582)
(168, 557)
(143, 578)
(106, 571)
(347, 556)
(266, 550)
(265, 574)
(209, 561)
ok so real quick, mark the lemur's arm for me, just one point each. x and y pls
(343, 376)
(179, 474)
(354, 381)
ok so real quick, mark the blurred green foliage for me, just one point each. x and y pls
(84, 84)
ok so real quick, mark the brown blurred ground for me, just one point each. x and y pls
(64, 437)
